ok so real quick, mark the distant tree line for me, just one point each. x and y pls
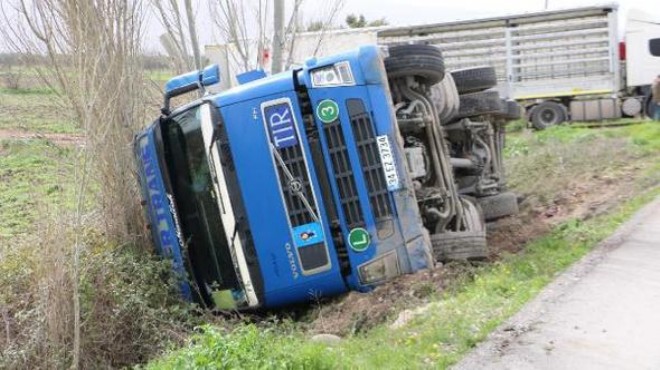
(9, 60)
(351, 21)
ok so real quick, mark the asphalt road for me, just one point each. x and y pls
(602, 313)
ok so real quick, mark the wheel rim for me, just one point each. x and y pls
(548, 116)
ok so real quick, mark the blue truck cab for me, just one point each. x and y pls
(285, 188)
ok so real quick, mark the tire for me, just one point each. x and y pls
(503, 112)
(479, 103)
(649, 106)
(459, 246)
(445, 98)
(632, 107)
(419, 60)
(473, 214)
(474, 79)
(513, 110)
(455, 99)
(499, 205)
(439, 98)
(547, 114)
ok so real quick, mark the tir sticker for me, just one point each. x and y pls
(359, 239)
(280, 122)
(327, 111)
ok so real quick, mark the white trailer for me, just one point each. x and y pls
(559, 64)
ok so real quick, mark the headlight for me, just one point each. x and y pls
(380, 269)
(338, 74)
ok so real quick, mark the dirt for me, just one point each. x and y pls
(57, 139)
(357, 312)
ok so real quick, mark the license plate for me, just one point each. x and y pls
(280, 122)
(387, 160)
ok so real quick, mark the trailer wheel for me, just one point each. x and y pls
(547, 114)
(459, 246)
(474, 79)
(499, 205)
(479, 103)
(649, 106)
(424, 61)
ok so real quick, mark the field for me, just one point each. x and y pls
(576, 184)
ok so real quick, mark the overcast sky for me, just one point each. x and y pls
(404, 12)
(411, 12)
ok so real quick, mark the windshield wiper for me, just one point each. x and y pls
(291, 178)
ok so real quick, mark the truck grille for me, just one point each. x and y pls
(295, 163)
(343, 173)
(372, 169)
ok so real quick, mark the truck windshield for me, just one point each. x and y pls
(209, 257)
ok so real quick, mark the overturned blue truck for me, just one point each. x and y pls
(331, 177)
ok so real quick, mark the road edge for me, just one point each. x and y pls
(531, 313)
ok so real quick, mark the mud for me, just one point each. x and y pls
(57, 139)
(357, 312)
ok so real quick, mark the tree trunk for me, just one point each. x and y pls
(192, 29)
(278, 37)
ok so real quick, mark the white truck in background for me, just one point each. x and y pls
(560, 65)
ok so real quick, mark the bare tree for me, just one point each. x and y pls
(93, 52)
(192, 30)
(245, 26)
(278, 35)
(326, 24)
(12, 76)
(178, 43)
(230, 17)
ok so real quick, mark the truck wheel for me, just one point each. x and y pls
(424, 61)
(446, 99)
(513, 110)
(459, 246)
(502, 113)
(499, 205)
(632, 107)
(473, 214)
(547, 114)
(479, 103)
(474, 79)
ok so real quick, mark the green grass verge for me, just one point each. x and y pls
(455, 323)
(34, 175)
(547, 163)
(34, 110)
(645, 134)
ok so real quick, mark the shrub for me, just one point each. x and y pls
(129, 310)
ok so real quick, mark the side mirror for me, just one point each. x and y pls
(188, 82)
(250, 76)
(210, 75)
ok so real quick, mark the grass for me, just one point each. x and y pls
(34, 110)
(454, 325)
(129, 307)
(539, 163)
(545, 163)
(159, 76)
(34, 175)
